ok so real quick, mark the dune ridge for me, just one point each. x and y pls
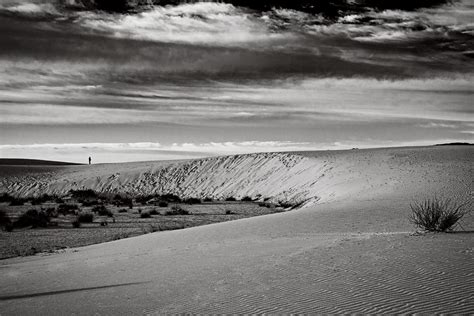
(303, 179)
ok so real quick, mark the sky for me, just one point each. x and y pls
(202, 79)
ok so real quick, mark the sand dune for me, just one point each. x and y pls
(305, 178)
(352, 251)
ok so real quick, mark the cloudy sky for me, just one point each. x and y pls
(200, 79)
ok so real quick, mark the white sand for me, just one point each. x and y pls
(350, 253)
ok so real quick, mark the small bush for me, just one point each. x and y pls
(145, 215)
(9, 227)
(231, 199)
(208, 199)
(83, 194)
(76, 223)
(246, 199)
(42, 199)
(229, 212)
(144, 199)
(123, 210)
(6, 198)
(65, 209)
(33, 218)
(438, 215)
(163, 204)
(85, 218)
(17, 201)
(59, 200)
(101, 210)
(51, 212)
(88, 203)
(177, 210)
(192, 201)
(154, 212)
(171, 198)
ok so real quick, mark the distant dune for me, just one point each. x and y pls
(33, 162)
(350, 250)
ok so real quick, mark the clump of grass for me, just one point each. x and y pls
(154, 212)
(231, 199)
(123, 210)
(438, 215)
(246, 199)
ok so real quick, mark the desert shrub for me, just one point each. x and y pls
(170, 198)
(246, 199)
(59, 200)
(143, 199)
(285, 204)
(51, 212)
(145, 215)
(123, 201)
(9, 227)
(229, 212)
(163, 204)
(17, 201)
(123, 210)
(41, 199)
(87, 203)
(192, 200)
(4, 219)
(85, 218)
(177, 210)
(83, 194)
(65, 209)
(6, 198)
(438, 215)
(101, 210)
(33, 218)
(262, 204)
(154, 212)
(231, 199)
(104, 223)
(207, 199)
(76, 223)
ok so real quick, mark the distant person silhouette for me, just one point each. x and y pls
(90, 160)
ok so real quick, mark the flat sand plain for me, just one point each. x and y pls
(353, 251)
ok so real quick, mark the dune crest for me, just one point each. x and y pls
(302, 179)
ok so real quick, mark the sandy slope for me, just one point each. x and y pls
(351, 252)
(305, 177)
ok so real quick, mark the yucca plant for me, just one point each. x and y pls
(437, 214)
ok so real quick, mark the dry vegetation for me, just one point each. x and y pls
(50, 223)
(438, 214)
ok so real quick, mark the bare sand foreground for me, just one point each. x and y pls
(349, 251)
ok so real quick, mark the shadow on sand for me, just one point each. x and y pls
(21, 296)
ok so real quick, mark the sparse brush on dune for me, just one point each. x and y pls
(438, 214)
